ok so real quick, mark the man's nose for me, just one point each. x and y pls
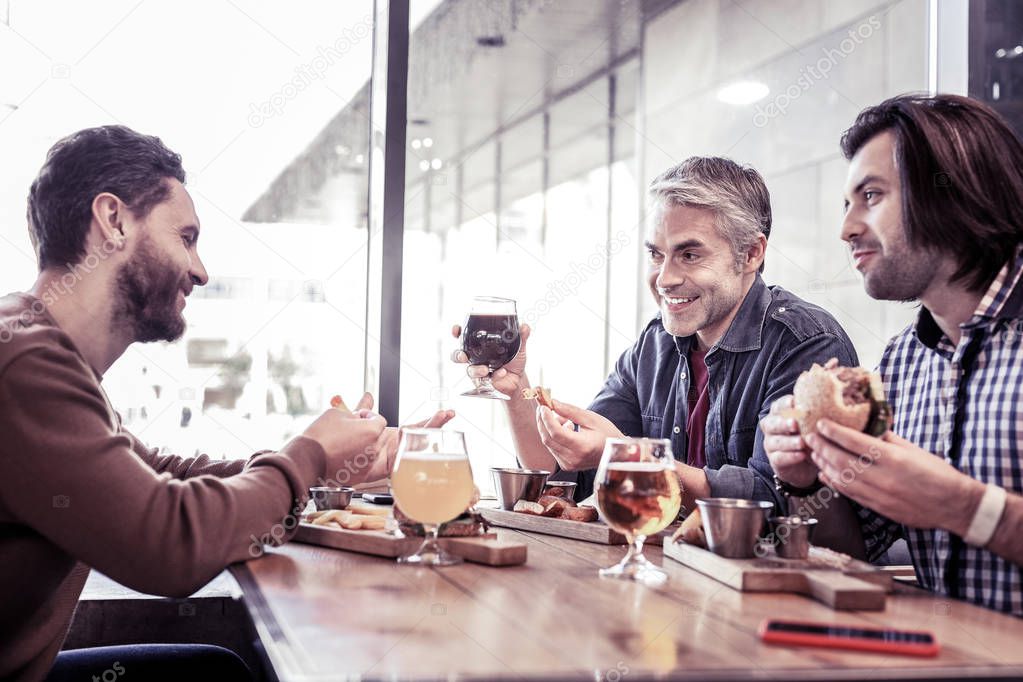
(852, 226)
(669, 277)
(198, 273)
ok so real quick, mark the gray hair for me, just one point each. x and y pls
(737, 194)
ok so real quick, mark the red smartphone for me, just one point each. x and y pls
(910, 643)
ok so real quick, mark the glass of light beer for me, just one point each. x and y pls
(638, 494)
(432, 484)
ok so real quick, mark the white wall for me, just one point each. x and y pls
(823, 62)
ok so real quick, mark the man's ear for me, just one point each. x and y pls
(108, 217)
(756, 253)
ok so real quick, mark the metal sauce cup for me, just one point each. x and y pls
(732, 526)
(513, 485)
(792, 536)
(326, 497)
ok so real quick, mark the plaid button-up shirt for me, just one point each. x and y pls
(963, 403)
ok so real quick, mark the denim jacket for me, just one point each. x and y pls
(774, 337)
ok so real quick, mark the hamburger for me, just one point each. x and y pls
(850, 396)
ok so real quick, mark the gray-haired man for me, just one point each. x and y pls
(704, 371)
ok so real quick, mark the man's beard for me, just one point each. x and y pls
(147, 296)
(903, 275)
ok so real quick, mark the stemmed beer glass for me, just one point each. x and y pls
(490, 337)
(432, 484)
(638, 494)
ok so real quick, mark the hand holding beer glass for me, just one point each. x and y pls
(490, 337)
(432, 484)
(638, 494)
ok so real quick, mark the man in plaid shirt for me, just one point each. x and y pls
(934, 213)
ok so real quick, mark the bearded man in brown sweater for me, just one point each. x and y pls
(115, 233)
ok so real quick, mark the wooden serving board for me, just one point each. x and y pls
(841, 582)
(486, 550)
(594, 531)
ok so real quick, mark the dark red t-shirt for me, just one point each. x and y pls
(699, 407)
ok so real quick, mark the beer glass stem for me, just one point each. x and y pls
(430, 545)
(635, 554)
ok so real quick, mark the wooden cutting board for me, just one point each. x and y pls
(486, 550)
(841, 582)
(594, 531)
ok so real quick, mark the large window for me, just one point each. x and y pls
(241, 91)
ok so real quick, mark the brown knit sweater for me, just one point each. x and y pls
(78, 491)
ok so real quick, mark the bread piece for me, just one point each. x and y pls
(532, 508)
(540, 394)
(552, 506)
(585, 514)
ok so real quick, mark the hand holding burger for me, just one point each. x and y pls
(850, 396)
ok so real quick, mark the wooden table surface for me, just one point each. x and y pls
(324, 614)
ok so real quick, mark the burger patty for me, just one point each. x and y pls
(855, 385)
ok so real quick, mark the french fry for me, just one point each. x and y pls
(370, 511)
(338, 404)
(329, 516)
(373, 523)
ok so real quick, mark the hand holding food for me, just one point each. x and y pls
(344, 436)
(850, 396)
(573, 449)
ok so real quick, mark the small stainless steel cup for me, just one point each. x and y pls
(568, 487)
(326, 497)
(513, 485)
(792, 536)
(732, 525)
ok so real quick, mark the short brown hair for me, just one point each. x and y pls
(736, 193)
(112, 158)
(961, 169)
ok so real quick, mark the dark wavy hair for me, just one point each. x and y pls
(114, 159)
(961, 169)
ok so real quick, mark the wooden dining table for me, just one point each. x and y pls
(325, 614)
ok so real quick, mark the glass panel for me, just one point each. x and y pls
(278, 179)
(996, 57)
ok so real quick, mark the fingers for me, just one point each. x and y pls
(524, 331)
(572, 413)
(777, 425)
(458, 356)
(781, 404)
(476, 371)
(456, 331)
(365, 402)
(439, 419)
(784, 444)
(788, 458)
(849, 440)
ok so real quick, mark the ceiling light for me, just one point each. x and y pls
(416, 144)
(427, 142)
(743, 92)
(359, 158)
(424, 165)
(436, 164)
